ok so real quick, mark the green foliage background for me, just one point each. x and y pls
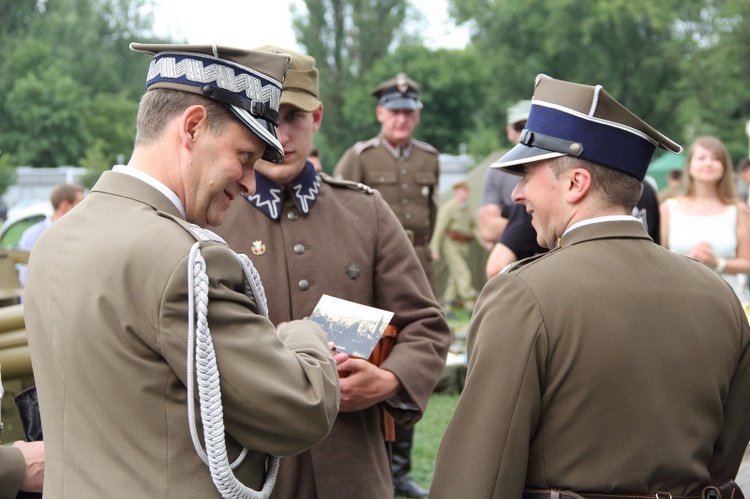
(71, 85)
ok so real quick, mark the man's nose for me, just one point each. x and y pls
(247, 181)
(517, 194)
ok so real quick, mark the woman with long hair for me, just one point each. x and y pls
(708, 222)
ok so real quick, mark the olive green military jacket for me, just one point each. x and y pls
(11, 471)
(106, 314)
(607, 365)
(457, 218)
(351, 246)
(408, 183)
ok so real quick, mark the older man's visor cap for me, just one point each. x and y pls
(584, 121)
(247, 82)
(399, 92)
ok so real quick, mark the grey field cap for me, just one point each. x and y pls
(247, 82)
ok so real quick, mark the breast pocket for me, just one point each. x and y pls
(375, 178)
(425, 182)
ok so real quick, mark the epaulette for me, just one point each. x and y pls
(198, 233)
(424, 146)
(339, 182)
(362, 145)
(522, 263)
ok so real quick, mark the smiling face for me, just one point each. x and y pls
(543, 195)
(220, 168)
(296, 128)
(705, 165)
(397, 125)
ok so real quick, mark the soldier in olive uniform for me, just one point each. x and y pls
(310, 235)
(405, 171)
(455, 229)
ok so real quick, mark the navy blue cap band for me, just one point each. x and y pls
(199, 70)
(607, 145)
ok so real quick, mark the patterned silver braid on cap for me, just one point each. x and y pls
(201, 354)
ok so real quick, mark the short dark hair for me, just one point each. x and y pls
(64, 192)
(159, 106)
(615, 187)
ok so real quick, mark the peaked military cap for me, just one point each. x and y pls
(399, 92)
(247, 82)
(301, 85)
(585, 121)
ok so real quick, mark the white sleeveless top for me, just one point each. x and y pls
(720, 231)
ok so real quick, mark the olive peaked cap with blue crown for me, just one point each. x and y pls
(247, 82)
(571, 119)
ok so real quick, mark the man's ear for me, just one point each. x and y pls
(380, 114)
(578, 184)
(317, 118)
(194, 119)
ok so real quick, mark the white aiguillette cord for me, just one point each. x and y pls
(201, 354)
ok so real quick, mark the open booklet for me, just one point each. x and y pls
(353, 327)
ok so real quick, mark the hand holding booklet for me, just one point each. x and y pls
(353, 327)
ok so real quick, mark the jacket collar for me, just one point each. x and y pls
(127, 186)
(269, 196)
(633, 229)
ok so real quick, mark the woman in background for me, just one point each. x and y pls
(708, 222)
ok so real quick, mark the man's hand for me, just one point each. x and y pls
(33, 456)
(365, 385)
(338, 357)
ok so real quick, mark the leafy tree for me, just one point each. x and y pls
(71, 78)
(715, 65)
(95, 162)
(452, 83)
(679, 64)
(346, 37)
(46, 112)
(7, 172)
(625, 45)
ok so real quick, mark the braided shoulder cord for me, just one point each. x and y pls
(201, 358)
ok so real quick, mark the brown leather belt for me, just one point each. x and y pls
(419, 237)
(729, 490)
(567, 494)
(459, 236)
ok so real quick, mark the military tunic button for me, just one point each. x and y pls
(299, 248)
(292, 215)
(304, 285)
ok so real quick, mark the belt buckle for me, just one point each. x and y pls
(663, 495)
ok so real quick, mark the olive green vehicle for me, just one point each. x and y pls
(15, 363)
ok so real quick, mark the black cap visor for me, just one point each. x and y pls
(521, 154)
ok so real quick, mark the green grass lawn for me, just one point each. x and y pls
(427, 435)
(429, 431)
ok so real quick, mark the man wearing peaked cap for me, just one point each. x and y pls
(146, 332)
(406, 172)
(612, 382)
(287, 225)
